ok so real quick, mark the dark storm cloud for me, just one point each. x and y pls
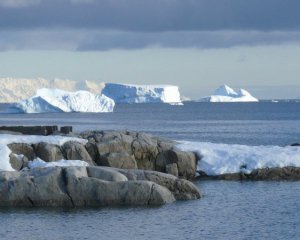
(97, 40)
(151, 16)
(184, 39)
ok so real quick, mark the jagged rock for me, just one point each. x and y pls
(145, 151)
(22, 148)
(48, 152)
(76, 151)
(139, 150)
(91, 186)
(120, 149)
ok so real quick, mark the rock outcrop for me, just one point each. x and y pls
(264, 174)
(91, 186)
(141, 151)
(126, 150)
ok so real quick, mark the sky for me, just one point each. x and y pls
(195, 44)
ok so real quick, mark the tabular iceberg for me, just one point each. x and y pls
(128, 93)
(227, 94)
(56, 100)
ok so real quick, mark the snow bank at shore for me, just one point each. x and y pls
(217, 159)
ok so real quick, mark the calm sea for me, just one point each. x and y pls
(228, 210)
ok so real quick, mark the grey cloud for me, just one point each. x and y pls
(160, 15)
(17, 3)
(185, 39)
(95, 40)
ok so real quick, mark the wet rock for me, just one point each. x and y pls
(265, 174)
(81, 186)
(181, 189)
(295, 145)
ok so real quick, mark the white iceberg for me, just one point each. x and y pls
(129, 93)
(227, 94)
(56, 100)
(217, 159)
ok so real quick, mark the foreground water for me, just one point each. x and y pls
(239, 210)
(228, 210)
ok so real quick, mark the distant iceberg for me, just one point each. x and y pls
(56, 100)
(128, 93)
(227, 94)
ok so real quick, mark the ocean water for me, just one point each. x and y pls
(228, 210)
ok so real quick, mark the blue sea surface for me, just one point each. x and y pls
(228, 210)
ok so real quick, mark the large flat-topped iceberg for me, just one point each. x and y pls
(227, 94)
(129, 93)
(56, 100)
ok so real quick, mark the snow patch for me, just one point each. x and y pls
(220, 159)
(56, 100)
(227, 94)
(129, 93)
(6, 139)
(39, 163)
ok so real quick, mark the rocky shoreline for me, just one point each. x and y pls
(91, 187)
(263, 174)
(123, 168)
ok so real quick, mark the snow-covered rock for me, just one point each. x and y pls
(56, 100)
(217, 159)
(129, 93)
(6, 139)
(227, 94)
(16, 89)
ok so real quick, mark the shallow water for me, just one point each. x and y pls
(228, 210)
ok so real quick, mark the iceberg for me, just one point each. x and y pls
(227, 94)
(56, 100)
(217, 159)
(129, 93)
